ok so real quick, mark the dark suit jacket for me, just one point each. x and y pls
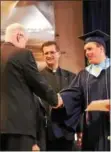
(20, 79)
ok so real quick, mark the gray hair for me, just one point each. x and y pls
(11, 29)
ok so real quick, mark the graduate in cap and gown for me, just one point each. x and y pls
(92, 83)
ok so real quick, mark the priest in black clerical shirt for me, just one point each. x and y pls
(57, 136)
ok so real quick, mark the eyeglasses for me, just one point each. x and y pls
(51, 52)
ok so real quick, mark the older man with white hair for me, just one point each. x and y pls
(20, 79)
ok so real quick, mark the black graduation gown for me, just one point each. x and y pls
(84, 89)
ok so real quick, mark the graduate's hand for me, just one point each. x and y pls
(60, 102)
(35, 148)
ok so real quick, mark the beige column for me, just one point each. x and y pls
(69, 25)
(6, 9)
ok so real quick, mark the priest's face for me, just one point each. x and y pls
(51, 55)
(94, 52)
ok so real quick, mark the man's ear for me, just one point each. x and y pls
(17, 37)
(102, 48)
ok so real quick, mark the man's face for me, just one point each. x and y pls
(51, 55)
(93, 52)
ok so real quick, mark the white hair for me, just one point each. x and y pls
(11, 29)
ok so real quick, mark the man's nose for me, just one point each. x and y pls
(49, 55)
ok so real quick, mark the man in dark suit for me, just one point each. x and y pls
(19, 80)
(54, 136)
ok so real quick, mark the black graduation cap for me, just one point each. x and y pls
(95, 36)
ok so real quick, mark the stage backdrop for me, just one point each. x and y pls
(96, 15)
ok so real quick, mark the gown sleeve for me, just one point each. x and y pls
(73, 99)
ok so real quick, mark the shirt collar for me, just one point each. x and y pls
(53, 71)
(95, 70)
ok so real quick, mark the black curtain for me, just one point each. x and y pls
(96, 15)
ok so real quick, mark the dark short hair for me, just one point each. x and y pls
(48, 43)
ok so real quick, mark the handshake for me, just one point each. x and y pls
(60, 102)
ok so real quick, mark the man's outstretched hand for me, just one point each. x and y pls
(60, 102)
(35, 148)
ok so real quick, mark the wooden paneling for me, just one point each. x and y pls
(69, 25)
(36, 52)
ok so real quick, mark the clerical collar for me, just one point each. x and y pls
(52, 70)
(95, 70)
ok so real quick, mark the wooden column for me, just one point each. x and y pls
(69, 25)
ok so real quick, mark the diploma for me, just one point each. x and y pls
(99, 105)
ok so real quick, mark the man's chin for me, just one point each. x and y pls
(50, 63)
(92, 62)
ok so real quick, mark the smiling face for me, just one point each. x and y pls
(94, 52)
(51, 55)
